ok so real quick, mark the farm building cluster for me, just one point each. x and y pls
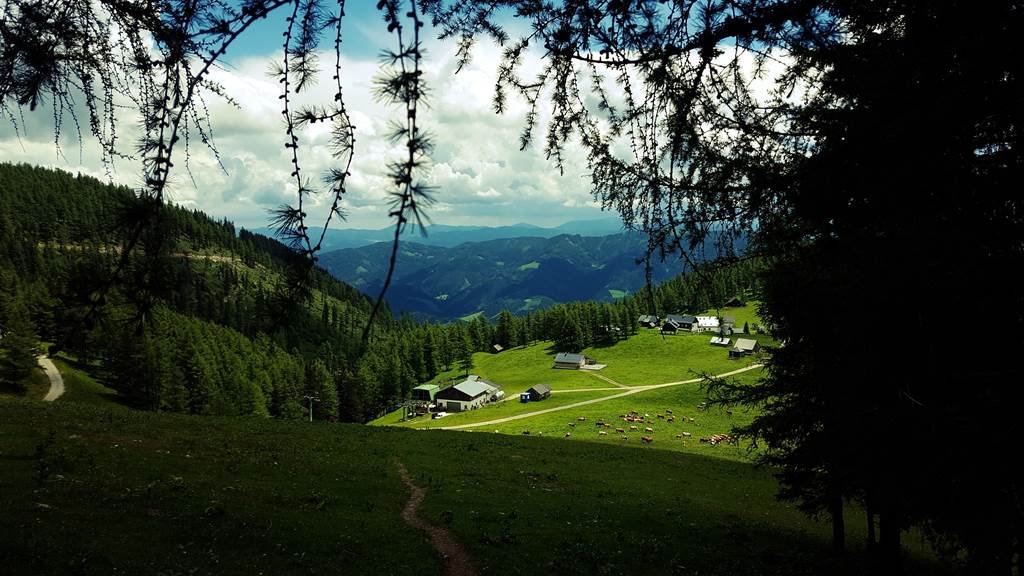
(723, 328)
(472, 393)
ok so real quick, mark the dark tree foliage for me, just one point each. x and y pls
(18, 341)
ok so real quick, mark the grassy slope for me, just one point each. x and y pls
(650, 358)
(645, 359)
(248, 496)
(517, 369)
(79, 386)
(682, 400)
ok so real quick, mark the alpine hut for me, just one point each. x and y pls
(570, 361)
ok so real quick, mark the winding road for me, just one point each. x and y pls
(629, 391)
(56, 380)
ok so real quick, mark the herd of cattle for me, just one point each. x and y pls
(634, 420)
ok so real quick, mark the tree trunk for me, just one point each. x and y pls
(871, 525)
(889, 541)
(838, 524)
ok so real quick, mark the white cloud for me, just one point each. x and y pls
(479, 172)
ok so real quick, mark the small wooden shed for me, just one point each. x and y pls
(539, 392)
(744, 347)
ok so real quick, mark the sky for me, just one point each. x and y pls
(480, 175)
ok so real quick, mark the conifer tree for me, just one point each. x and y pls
(18, 346)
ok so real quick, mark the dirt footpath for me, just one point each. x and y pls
(456, 558)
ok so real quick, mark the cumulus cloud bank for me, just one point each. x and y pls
(480, 175)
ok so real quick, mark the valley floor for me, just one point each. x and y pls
(648, 373)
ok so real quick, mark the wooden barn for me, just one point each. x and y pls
(497, 348)
(568, 361)
(539, 392)
(744, 347)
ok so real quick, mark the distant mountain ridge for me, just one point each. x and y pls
(448, 235)
(518, 274)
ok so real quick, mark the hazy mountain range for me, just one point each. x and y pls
(444, 235)
(518, 274)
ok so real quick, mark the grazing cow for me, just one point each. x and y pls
(633, 428)
(620, 430)
(567, 434)
(582, 418)
(660, 416)
(679, 435)
(602, 433)
(625, 438)
(716, 438)
(572, 424)
(687, 434)
(668, 411)
(671, 418)
(646, 439)
(526, 432)
(649, 430)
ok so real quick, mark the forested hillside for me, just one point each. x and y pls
(218, 337)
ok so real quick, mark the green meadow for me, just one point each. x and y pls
(684, 401)
(88, 489)
(645, 359)
(652, 358)
(517, 369)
